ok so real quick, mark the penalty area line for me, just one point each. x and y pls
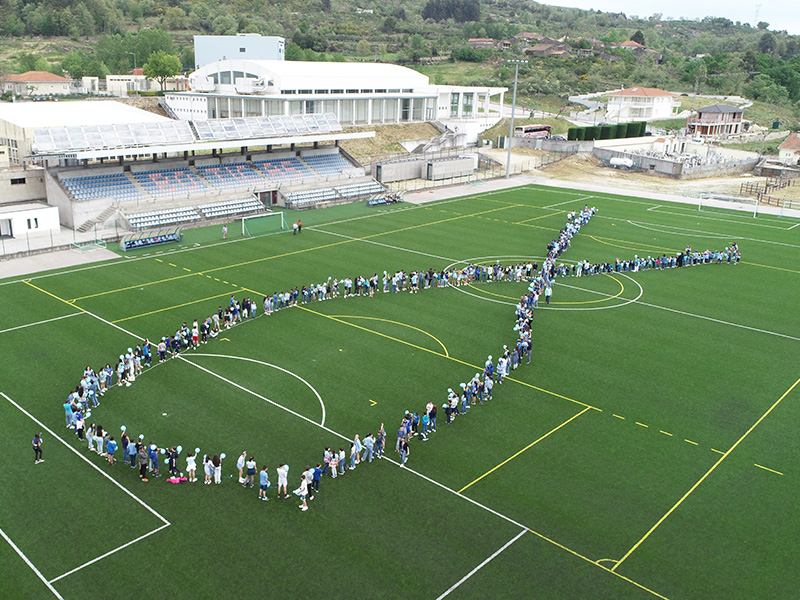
(483, 564)
(31, 565)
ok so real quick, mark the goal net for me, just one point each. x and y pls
(262, 224)
(723, 203)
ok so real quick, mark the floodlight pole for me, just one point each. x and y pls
(517, 63)
(133, 54)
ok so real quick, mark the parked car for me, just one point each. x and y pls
(559, 138)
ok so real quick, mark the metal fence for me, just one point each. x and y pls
(48, 241)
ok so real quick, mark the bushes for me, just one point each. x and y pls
(607, 132)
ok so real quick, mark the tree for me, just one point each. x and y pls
(638, 37)
(763, 25)
(767, 43)
(14, 26)
(363, 48)
(174, 17)
(161, 66)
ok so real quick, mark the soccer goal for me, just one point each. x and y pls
(718, 203)
(262, 224)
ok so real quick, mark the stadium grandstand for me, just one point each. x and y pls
(161, 172)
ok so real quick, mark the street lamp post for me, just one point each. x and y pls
(133, 54)
(516, 63)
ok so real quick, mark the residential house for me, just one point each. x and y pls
(527, 38)
(640, 104)
(479, 43)
(549, 47)
(38, 83)
(641, 51)
(719, 120)
(789, 150)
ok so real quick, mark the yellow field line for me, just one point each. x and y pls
(535, 226)
(153, 312)
(422, 331)
(768, 469)
(642, 424)
(618, 416)
(590, 561)
(531, 445)
(525, 221)
(703, 478)
(665, 432)
(73, 305)
(691, 442)
(458, 360)
(131, 287)
(770, 267)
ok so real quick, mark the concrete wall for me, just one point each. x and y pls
(445, 169)
(17, 185)
(400, 170)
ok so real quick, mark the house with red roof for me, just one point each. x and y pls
(789, 150)
(640, 104)
(37, 83)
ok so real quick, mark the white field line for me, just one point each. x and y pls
(104, 474)
(696, 216)
(436, 483)
(261, 362)
(31, 565)
(568, 202)
(654, 207)
(41, 322)
(793, 226)
(357, 239)
(259, 396)
(484, 563)
(109, 553)
(697, 233)
(114, 262)
(688, 314)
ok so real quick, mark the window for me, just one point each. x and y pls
(18, 181)
(303, 91)
(352, 91)
(33, 223)
(366, 91)
(242, 49)
(320, 91)
(337, 91)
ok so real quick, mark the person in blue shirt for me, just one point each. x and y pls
(68, 411)
(263, 484)
(131, 454)
(111, 447)
(153, 451)
(317, 475)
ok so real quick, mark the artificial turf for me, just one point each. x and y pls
(630, 435)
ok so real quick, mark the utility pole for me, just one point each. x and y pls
(516, 63)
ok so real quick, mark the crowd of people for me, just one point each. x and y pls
(148, 458)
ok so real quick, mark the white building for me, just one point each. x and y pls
(789, 150)
(357, 93)
(37, 83)
(640, 104)
(242, 46)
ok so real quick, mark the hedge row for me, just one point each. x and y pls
(607, 132)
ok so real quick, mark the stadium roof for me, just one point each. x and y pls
(140, 139)
(77, 113)
(295, 75)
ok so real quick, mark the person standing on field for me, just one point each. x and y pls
(37, 449)
(224, 232)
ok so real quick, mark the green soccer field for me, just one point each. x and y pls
(646, 452)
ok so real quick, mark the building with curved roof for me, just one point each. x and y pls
(357, 93)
